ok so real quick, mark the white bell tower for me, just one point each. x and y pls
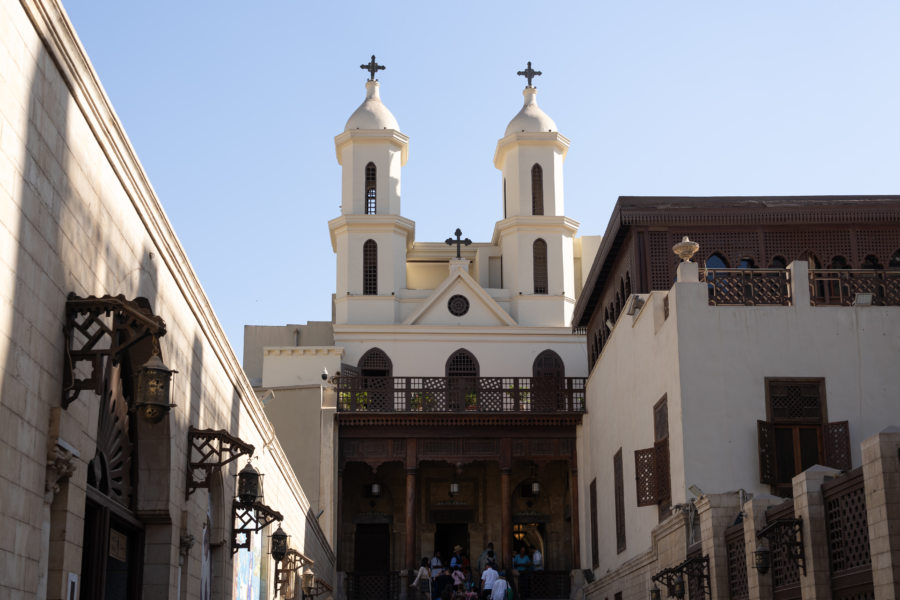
(370, 238)
(535, 236)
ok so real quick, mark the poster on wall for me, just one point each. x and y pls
(246, 570)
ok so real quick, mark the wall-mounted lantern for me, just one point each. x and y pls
(535, 488)
(248, 484)
(762, 559)
(279, 544)
(308, 583)
(454, 489)
(375, 490)
(153, 388)
(655, 593)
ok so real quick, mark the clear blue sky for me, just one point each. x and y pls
(233, 107)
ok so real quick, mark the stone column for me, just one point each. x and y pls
(717, 512)
(759, 585)
(573, 492)
(810, 506)
(881, 475)
(506, 517)
(410, 518)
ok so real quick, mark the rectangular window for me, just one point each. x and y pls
(796, 434)
(661, 447)
(595, 545)
(620, 501)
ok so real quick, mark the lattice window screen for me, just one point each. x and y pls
(766, 447)
(539, 255)
(645, 475)
(370, 268)
(837, 445)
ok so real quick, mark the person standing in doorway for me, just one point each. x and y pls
(537, 559)
(437, 564)
(498, 592)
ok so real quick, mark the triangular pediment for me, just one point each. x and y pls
(482, 311)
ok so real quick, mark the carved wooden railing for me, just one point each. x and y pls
(846, 523)
(460, 394)
(839, 287)
(545, 584)
(748, 287)
(373, 585)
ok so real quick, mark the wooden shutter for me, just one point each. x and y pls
(837, 445)
(618, 473)
(663, 481)
(645, 476)
(766, 442)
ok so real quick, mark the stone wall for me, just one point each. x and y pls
(77, 214)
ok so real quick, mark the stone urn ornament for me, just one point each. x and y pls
(686, 249)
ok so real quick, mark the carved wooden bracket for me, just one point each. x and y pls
(248, 518)
(213, 448)
(100, 328)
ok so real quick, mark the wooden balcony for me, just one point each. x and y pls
(460, 394)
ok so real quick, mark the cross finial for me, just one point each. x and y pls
(373, 67)
(528, 73)
(459, 242)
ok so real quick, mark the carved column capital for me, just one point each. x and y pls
(61, 465)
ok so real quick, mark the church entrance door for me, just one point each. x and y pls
(448, 535)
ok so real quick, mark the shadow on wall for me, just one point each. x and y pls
(35, 338)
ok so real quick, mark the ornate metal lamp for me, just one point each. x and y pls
(762, 559)
(655, 593)
(279, 544)
(308, 582)
(153, 387)
(535, 488)
(375, 490)
(248, 484)
(454, 488)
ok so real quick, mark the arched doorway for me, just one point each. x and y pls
(548, 381)
(462, 380)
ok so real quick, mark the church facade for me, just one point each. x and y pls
(455, 382)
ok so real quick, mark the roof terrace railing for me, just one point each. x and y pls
(748, 287)
(841, 287)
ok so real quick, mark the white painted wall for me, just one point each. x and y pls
(712, 363)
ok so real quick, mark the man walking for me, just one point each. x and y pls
(488, 578)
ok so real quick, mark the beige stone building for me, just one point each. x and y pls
(106, 491)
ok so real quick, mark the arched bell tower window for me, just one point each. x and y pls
(370, 268)
(370, 189)
(375, 363)
(537, 190)
(539, 256)
(462, 363)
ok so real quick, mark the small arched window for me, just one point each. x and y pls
(537, 190)
(370, 268)
(839, 262)
(716, 261)
(778, 262)
(370, 189)
(462, 363)
(895, 260)
(539, 258)
(871, 262)
(747, 263)
(375, 363)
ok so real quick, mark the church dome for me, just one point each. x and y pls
(372, 114)
(531, 118)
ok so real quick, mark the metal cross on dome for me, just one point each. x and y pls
(373, 67)
(459, 242)
(528, 73)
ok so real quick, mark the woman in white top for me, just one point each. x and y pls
(422, 581)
